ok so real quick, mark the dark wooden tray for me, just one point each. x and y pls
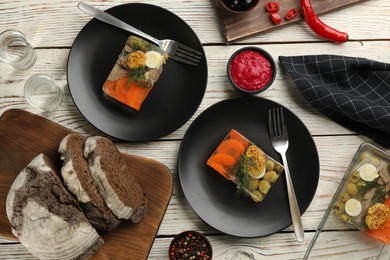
(24, 135)
(237, 26)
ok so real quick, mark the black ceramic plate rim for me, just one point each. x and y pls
(302, 207)
(159, 130)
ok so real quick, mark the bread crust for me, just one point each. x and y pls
(77, 179)
(46, 218)
(114, 181)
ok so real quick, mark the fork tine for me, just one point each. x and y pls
(283, 123)
(270, 123)
(187, 54)
(275, 119)
(279, 121)
(276, 122)
(175, 57)
(189, 49)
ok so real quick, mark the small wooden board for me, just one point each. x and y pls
(237, 26)
(24, 135)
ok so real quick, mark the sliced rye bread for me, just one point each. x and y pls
(78, 181)
(46, 218)
(115, 183)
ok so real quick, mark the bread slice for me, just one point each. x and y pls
(78, 181)
(115, 183)
(46, 218)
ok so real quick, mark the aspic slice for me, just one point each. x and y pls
(241, 161)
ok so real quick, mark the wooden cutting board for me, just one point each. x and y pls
(24, 135)
(237, 26)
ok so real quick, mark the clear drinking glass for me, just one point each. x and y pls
(42, 92)
(16, 50)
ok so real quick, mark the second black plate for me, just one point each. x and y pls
(212, 197)
(176, 95)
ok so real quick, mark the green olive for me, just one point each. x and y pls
(351, 188)
(344, 196)
(361, 184)
(345, 218)
(257, 196)
(278, 167)
(338, 207)
(269, 165)
(354, 177)
(264, 186)
(270, 176)
(253, 183)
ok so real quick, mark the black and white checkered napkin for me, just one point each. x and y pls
(353, 92)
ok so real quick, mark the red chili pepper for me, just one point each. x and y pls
(272, 7)
(275, 17)
(292, 13)
(318, 26)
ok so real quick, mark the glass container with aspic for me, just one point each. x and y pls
(364, 197)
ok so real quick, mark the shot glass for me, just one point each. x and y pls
(16, 50)
(42, 92)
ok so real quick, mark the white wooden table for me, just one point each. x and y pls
(53, 25)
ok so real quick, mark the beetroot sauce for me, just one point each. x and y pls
(251, 70)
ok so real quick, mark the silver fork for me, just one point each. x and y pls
(279, 139)
(174, 49)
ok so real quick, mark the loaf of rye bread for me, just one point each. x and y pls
(45, 217)
(113, 179)
(77, 179)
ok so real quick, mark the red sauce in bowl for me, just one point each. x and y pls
(250, 70)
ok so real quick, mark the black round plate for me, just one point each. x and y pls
(213, 198)
(176, 95)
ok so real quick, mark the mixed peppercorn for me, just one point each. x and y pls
(190, 245)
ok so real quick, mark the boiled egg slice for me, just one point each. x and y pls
(154, 59)
(257, 173)
(368, 172)
(353, 207)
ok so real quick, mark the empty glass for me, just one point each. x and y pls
(42, 92)
(16, 50)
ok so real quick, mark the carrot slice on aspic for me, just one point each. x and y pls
(222, 163)
(233, 134)
(228, 153)
(383, 233)
(127, 92)
(109, 88)
(121, 89)
(136, 95)
(231, 147)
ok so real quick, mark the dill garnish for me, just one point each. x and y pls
(379, 194)
(241, 173)
(138, 44)
(138, 75)
(364, 189)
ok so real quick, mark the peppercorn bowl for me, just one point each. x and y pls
(190, 245)
(251, 70)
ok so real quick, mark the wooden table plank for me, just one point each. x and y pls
(57, 24)
(283, 90)
(277, 246)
